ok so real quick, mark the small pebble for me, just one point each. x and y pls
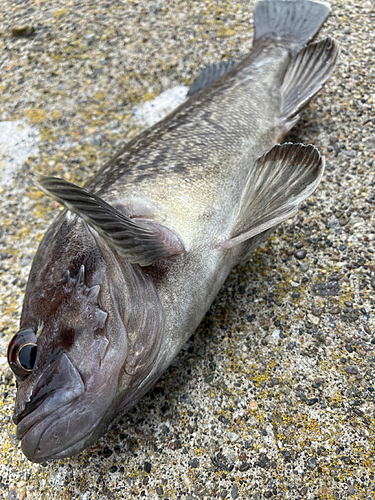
(367, 329)
(343, 221)
(351, 489)
(312, 463)
(253, 404)
(233, 436)
(301, 254)
(316, 311)
(319, 381)
(24, 30)
(349, 348)
(353, 370)
(335, 310)
(324, 490)
(107, 452)
(313, 319)
(312, 401)
(234, 492)
(372, 282)
(159, 490)
(244, 466)
(304, 266)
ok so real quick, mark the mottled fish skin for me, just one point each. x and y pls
(204, 147)
(108, 328)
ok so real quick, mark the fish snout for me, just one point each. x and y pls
(59, 385)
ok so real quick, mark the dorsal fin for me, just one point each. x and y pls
(138, 242)
(210, 74)
(306, 74)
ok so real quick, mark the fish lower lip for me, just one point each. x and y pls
(32, 420)
(59, 385)
(59, 392)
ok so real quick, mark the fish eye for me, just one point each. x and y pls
(22, 351)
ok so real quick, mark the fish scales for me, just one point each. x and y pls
(126, 273)
(205, 147)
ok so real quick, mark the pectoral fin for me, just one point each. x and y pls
(140, 242)
(275, 186)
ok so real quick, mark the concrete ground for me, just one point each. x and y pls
(273, 397)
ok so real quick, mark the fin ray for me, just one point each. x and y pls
(275, 186)
(305, 76)
(210, 74)
(140, 243)
(296, 21)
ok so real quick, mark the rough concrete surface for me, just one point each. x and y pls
(273, 397)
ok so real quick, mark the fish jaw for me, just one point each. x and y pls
(37, 407)
(64, 407)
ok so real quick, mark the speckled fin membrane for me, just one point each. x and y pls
(275, 186)
(305, 76)
(210, 74)
(140, 243)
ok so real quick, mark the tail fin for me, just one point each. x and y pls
(296, 21)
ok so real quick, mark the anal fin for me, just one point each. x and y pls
(276, 184)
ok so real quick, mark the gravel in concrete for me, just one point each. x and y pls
(273, 397)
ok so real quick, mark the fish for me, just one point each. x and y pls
(127, 271)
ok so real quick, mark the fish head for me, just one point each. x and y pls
(83, 345)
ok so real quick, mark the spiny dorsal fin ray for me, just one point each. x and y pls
(140, 243)
(211, 74)
(275, 186)
(305, 76)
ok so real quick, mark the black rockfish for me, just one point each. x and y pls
(126, 273)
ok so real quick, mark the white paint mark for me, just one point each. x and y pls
(151, 112)
(18, 141)
(276, 334)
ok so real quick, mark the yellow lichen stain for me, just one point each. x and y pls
(36, 115)
(56, 115)
(59, 13)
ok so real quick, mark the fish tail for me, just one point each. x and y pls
(296, 21)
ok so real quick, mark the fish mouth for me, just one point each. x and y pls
(37, 415)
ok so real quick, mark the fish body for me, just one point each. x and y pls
(126, 273)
